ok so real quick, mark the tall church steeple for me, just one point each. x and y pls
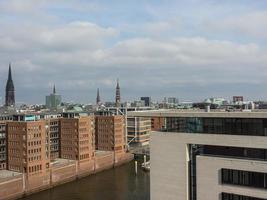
(98, 97)
(54, 89)
(10, 89)
(118, 94)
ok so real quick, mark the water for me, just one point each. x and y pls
(120, 183)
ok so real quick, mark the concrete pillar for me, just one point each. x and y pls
(23, 182)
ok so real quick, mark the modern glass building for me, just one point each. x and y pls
(209, 155)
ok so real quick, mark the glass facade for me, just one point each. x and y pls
(233, 126)
(234, 152)
(226, 126)
(244, 178)
(227, 196)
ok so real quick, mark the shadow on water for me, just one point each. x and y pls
(120, 183)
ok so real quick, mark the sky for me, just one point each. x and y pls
(189, 49)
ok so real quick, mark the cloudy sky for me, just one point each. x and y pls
(190, 49)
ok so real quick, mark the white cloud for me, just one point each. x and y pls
(158, 53)
(250, 24)
(84, 44)
(20, 6)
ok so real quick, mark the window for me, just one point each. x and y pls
(244, 178)
(227, 196)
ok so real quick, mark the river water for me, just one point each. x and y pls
(119, 183)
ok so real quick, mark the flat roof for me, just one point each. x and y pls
(199, 113)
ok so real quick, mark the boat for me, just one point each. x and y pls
(146, 166)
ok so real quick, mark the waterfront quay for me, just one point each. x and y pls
(15, 185)
(120, 183)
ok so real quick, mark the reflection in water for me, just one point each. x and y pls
(120, 183)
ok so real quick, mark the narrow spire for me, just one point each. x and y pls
(9, 72)
(118, 84)
(118, 94)
(98, 97)
(54, 89)
(10, 89)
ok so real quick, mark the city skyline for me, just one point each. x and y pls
(161, 46)
(117, 96)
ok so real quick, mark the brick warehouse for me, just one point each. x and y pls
(43, 153)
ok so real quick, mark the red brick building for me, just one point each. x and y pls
(26, 144)
(110, 133)
(77, 138)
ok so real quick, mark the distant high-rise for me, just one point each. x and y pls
(53, 100)
(98, 97)
(10, 89)
(118, 94)
(237, 99)
(147, 100)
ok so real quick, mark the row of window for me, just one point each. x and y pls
(54, 148)
(13, 136)
(2, 157)
(33, 128)
(105, 141)
(34, 158)
(14, 168)
(2, 128)
(53, 142)
(37, 150)
(33, 143)
(84, 142)
(2, 142)
(85, 135)
(86, 148)
(54, 129)
(227, 196)
(67, 142)
(35, 168)
(84, 156)
(68, 148)
(244, 178)
(105, 136)
(235, 126)
(83, 129)
(68, 156)
(34, 135)
(2, 166)
(14, 158)
(72, 133)
(53, 123)
(14, 151)
(13, 143)
(54, 135)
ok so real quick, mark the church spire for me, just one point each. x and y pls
(54, 89)
(118, 84)
(98, 97)
(9, 72)
(10, 89)
(118, 94)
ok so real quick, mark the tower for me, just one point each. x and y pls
(97, 97)
(54, 89)
(10, 90)
(53, 100)
(118, 94)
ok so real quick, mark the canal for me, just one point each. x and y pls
(119, 183)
